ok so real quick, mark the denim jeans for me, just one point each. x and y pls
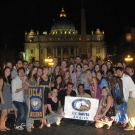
(29, 122)
(22, 112)
(52, 118)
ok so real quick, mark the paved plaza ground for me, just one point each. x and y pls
(73, 127)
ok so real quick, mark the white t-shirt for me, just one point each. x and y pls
(17, 84)
(128, 85)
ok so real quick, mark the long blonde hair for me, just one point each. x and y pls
(107, 90)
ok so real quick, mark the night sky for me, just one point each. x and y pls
(18, 16)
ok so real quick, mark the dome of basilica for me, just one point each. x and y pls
(63, 25)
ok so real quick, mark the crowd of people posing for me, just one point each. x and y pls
(112, 84)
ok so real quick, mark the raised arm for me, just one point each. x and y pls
(14, 89)
(38, 80)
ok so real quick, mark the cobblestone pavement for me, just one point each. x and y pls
(67, 128)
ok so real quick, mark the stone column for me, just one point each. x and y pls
(69, 52)
(56, 52)
(45, 53)
(102, 52)
(53, 52)
(61, 54)
(74, 52)
(77, 51)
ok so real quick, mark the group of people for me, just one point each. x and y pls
(112, 84)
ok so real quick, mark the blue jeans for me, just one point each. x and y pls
(52, 118)
(29, 122)
(22, 112)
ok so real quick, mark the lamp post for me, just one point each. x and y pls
(49, 61)
(128, 59)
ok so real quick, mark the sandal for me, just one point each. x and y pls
(43, 123)
(7, 128)
(41, 126)
(2, 130)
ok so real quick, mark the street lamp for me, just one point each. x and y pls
(128, 59)
(49, 61)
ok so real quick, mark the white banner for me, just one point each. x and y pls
(80, 108)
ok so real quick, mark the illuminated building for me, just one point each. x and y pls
(64, 41)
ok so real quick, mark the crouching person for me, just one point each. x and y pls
(106, 111)
(53, 114)
(18, 98)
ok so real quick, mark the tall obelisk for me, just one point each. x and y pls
(83, 32)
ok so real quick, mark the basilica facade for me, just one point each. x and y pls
(63, 41)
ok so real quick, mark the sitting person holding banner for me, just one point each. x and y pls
(53, 115)
(81, 93)
(68, 92)
(106, 111)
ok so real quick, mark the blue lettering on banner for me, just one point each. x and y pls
(80, 115)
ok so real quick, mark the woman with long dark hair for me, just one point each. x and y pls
(101, 80)
(31, 80)
(94, 88)
(79, 74)
(109, 65)
(57, 71)
(53, 114)
(118, 96)
(66, 78)
(45, 81)
(5, 96)
(72, 72)
(104, 69)
(96, 68)
(58, 82)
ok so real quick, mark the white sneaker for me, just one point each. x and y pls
(23, 124)
(19, 128)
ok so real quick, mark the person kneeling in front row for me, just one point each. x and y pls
(53, 114)
(106, 111)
